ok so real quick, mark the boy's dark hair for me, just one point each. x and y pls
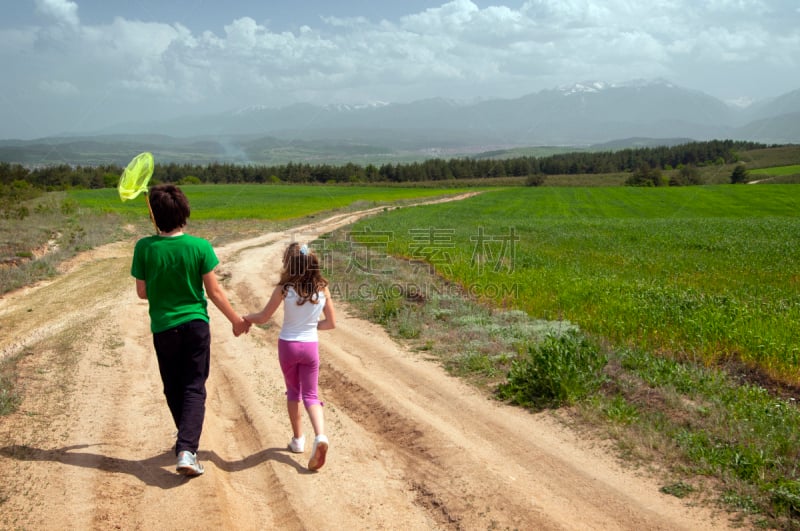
(169, 206)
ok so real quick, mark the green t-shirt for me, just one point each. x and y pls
(172, 269)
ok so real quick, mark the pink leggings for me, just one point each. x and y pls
(300, 365)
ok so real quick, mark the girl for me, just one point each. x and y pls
(307, 297)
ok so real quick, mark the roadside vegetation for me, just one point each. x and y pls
(718, 434)
(671, 319)
(10, 395)
(667, 319)
(54, 228)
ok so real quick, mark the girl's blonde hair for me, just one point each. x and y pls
(301, 271)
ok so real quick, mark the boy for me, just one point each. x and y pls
(171, 269)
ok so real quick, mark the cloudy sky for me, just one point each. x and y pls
(72, 66)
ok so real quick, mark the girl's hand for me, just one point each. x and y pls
(241, 327)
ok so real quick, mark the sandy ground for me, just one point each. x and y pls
(411, 447)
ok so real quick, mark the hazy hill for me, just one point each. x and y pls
(786, 104)
(580, 115)
(779, 129)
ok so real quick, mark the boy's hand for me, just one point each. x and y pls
(242, 327)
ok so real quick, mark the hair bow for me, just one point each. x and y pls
(304, 249)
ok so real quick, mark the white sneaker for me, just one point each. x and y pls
(188, 465)
(298, 444)
(318, 453)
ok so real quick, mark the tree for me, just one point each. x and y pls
(739, 175)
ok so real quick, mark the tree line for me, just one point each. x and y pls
(692, 154)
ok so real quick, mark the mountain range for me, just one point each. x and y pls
(580, 116)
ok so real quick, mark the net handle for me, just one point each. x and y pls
(150, 209)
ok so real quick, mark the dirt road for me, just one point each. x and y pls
(411, 447)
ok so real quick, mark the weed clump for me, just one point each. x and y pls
(560, 370)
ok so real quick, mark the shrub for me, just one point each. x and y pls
(18, 212)
(646, 176)
(560, 371)
(69, 207)
(110, 180)
(786, 497)
(190, 179)
(385, 308)
(739, 175)
(687, 175)
(537, 179)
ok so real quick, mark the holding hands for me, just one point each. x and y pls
(241, 327)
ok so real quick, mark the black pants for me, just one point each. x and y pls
(184, 353)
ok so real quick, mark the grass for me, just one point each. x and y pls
(10, 396)
(55, 229)
(708, 423)
(718, 435)
(705, 273)
(777, 174)
(435, 317)
(688, 296)
(777, 156)
(778, 171)
(261, 202)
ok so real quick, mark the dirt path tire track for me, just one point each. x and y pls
(411, 447)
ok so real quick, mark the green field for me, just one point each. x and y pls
(224, 202)
(704, 273)
(794, 169)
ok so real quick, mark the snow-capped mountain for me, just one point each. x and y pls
(582, 113)
(585, 113)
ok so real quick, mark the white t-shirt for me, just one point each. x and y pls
(300, 320)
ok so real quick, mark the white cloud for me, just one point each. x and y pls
(63, 11)
(449, 17)
(130, 40)
(455, 50)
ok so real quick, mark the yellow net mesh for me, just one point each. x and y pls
(134, 179)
